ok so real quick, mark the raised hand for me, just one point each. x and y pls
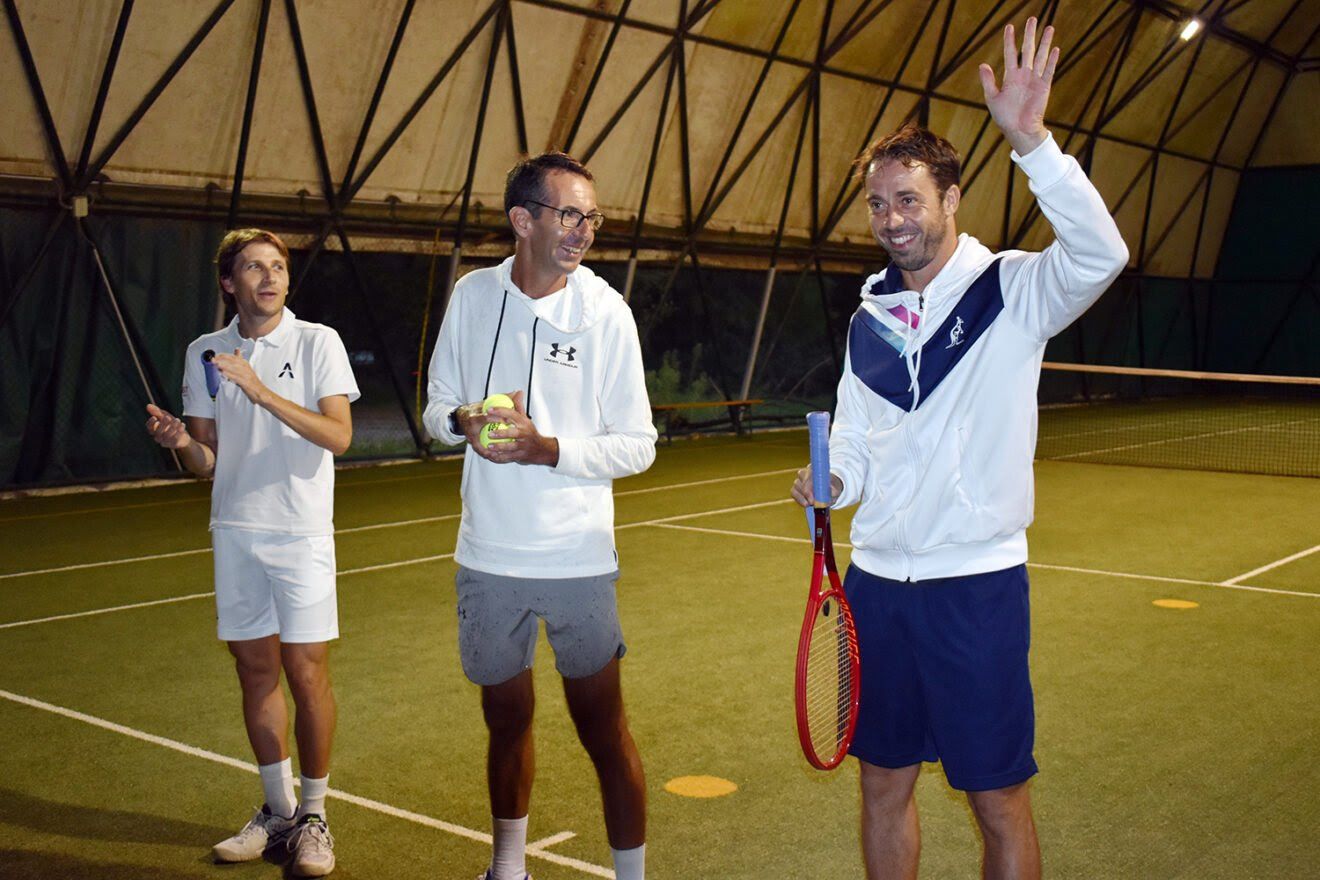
(1018, 104)
(167, 430)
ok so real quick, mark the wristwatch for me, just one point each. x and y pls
(454, 426)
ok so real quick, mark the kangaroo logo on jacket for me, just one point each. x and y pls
(564, 356)
(956, 335)
(872, 350)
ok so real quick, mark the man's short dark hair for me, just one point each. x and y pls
(913, 145)
(526, 180)
(232, 245)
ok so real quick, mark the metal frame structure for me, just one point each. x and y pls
(492, 33)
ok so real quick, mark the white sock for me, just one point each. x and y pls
(277, 784)
(629, 864)
(313, 795)
(508, 860)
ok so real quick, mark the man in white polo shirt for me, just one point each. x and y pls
(267, 406)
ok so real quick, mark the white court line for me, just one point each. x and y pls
(676, 517)
(709, 482)
(354, 485)
(552, 840)
(198, 499)
(1264, 568)
(365, 803)
(126, 561)
(1230, 584)
(96, 611)
(1173, 580)
(402, 562)
(1182, 439)
(734, 534)
(347, 571)
(668, 522)
(387, 525)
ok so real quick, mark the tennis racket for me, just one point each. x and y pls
(828, 672)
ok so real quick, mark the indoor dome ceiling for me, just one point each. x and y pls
(695, 115)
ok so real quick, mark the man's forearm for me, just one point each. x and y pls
(198, 458)
(314, 427)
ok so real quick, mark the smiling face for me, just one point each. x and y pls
(547, 251)
(258, 282)
(911, 219)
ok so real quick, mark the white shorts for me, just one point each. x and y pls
(269, 585)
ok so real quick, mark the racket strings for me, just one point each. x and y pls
(829, 680)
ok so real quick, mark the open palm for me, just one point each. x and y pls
(1018, 103)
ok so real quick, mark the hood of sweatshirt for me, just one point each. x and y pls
(896, 314)
(582, 302)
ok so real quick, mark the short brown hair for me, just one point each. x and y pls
(232, 245)
(526, 180)
(913, 145)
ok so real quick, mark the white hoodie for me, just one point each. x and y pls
(936, 422)
(576, 356)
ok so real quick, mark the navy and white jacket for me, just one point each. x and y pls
(936, 422)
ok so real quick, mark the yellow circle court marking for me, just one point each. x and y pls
(700, 786)
(1180, 604)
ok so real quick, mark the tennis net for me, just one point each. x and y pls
(1180, 419)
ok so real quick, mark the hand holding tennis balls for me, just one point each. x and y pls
(500, 401)
(527, 446)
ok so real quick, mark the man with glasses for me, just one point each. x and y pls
(536, 540)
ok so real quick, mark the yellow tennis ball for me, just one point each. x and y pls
(502, 401)
(485, 437)
(495, 400)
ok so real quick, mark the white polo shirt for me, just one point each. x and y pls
(267, 477)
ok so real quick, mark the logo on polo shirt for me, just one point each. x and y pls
(957, 334)
(287, 371)
(564, 356)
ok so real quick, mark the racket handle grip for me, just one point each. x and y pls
(818, 432)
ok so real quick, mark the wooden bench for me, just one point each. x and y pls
(736, 409)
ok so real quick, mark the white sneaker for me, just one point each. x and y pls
(263, 830)
(312, 847)
(487, 876)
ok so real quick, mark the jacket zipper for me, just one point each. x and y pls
(909, 558)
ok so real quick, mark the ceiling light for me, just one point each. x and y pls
(1191, 29)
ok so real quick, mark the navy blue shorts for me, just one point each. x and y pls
(944, 675)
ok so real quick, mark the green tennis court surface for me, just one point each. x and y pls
(1174, 743)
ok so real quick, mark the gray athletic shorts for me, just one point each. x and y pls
(497, 623)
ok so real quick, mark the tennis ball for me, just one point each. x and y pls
(495, 400)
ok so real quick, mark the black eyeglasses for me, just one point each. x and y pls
(571, 218)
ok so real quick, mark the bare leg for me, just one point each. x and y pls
(510, 757)
(264, 711)
(891, 831)
(596, 705)
(308, 669)
(1011, 849)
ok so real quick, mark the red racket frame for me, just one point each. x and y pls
(823, 564)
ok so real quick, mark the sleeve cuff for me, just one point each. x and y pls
(570, 457)
(1045, 165)
(851, 493)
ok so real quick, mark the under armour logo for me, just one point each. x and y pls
(287, 371)
(556, 351)
(957, 334)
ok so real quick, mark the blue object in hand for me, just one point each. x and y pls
(212, 373)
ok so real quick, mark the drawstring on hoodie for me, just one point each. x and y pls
(531, 366)
(494, 346)
(913, 363)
